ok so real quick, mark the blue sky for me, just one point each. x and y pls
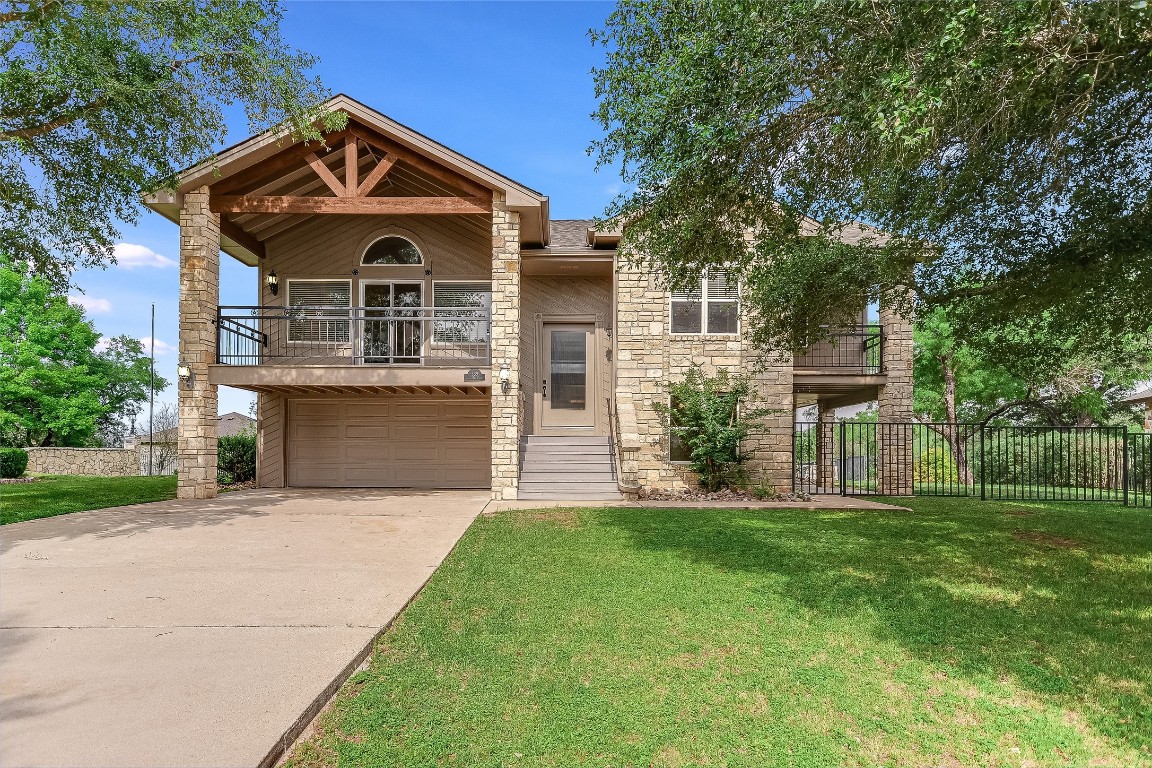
(506, 83)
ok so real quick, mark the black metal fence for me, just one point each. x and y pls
(944, 459)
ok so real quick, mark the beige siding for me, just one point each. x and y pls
(270, 441)
(454, 247)
(549, 296)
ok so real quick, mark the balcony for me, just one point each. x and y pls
(316, 348)
(855, 350)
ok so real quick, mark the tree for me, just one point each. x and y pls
(56, 387)
(1005, 142)
(165, 422)
(1028, 373)
(101, 101)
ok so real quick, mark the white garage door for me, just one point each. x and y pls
(390, 443)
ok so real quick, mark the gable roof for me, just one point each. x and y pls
(531, 204)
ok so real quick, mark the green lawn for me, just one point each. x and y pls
(58, 494)
(960, 634)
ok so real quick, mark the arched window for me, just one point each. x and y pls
(392, 249)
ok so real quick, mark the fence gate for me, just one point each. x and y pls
(945, 459)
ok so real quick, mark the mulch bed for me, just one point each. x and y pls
(15, 480)
(226, 487)
(726, 494)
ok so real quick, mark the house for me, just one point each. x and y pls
(424, 322)
(1143, 398)
(228, 425)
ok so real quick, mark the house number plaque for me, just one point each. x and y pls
(474, 374)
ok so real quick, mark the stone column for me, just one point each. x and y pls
(771, 448)
(506, 407)
(894, 431)
(199, 297)
(825, 439)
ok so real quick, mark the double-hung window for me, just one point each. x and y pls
(712, 306)
(320, 310)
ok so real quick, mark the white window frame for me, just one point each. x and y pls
(704, 301)
(385, 236)
(434, 306)
(288, 281)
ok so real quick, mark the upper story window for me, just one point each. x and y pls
(713, 306)
(392, 249)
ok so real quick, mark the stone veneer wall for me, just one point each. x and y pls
(648, 356)
(507, 409)
(894, 405)
(199, 297)
(99, 462)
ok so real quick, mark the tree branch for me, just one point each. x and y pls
(67, 118)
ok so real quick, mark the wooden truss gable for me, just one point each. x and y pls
(352, 166)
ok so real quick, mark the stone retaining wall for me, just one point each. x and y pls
(102, 462)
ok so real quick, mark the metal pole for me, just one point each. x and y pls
(983, 495)
(1124, 463)
(151, 386)
(843, 463)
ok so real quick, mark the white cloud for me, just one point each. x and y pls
(162, 347)
(92, 305)
(131, 256)
(102, 345)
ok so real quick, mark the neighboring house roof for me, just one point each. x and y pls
(227, 425)
(1143, 396)
(569, 233)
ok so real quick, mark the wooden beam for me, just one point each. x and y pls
(290, 159)
(349, 205)
(377, 174)
(233, 232)
(325, 174)
(351, 167)
(433, 169)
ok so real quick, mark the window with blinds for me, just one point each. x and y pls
(320, 311)
(462, 312)
(713, 306)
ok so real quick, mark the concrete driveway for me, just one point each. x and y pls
(197, 633)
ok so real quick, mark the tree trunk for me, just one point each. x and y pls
(956, 441)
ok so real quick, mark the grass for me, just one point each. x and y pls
(54, 495)
(960, 634)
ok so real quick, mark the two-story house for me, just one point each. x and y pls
(423, 322)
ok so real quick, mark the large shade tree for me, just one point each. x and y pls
(1006, 142)
(101, 100)
(59, 385)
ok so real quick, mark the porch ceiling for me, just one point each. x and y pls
(324, 391)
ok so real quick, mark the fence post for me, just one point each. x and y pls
(843, 463)
(1124, 464)
(983, 492)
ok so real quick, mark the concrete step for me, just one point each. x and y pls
(535, 440)
(576, 464)
(562, 488)
(569, 496)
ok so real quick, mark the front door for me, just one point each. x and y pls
(391, 330)
(568, 376)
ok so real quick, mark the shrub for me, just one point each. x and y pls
(13, 462)
(236, 458)
(710, 417)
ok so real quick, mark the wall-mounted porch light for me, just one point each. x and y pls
(184, 373)
(273, 283)
(505, 373)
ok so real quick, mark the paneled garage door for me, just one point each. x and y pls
(390, 443)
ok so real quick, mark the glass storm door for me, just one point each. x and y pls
(567, 377)
(391, 332)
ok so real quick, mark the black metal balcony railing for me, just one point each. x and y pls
(859, 349)
(306, 335)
